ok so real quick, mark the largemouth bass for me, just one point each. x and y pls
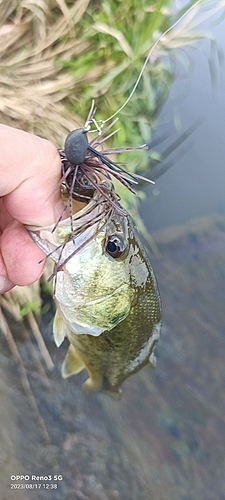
(107, 296)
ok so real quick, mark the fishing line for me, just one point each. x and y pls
(102, 122)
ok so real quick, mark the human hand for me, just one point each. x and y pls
(30, 170)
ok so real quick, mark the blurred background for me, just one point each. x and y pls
(194, 185)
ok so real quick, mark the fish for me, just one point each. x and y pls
(108, 303)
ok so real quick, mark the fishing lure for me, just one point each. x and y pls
(86, 170)
(81, 161)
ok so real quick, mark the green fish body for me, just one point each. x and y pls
(108, 303)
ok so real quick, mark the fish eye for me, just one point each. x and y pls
(115, 246)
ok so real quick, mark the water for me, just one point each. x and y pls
(194, 185)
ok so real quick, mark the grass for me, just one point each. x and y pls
(58, 55)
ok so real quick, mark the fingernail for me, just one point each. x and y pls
(2, 282)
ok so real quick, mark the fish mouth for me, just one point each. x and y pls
(79, 219)
(81, 227)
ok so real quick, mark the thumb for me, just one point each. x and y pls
(31, 173)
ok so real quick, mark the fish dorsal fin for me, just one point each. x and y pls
(60, 328)
(72, 363)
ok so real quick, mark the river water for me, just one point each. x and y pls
(194, 185)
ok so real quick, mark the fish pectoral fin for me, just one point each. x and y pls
(60, 328)
(95, 384)
(151, 361)
(115, 394)
(72, 363)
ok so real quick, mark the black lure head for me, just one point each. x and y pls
(76, 145)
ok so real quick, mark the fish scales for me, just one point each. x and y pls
(109, 308)
(118, 353)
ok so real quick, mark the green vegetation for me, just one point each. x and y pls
(56, 56)
(120, 35)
